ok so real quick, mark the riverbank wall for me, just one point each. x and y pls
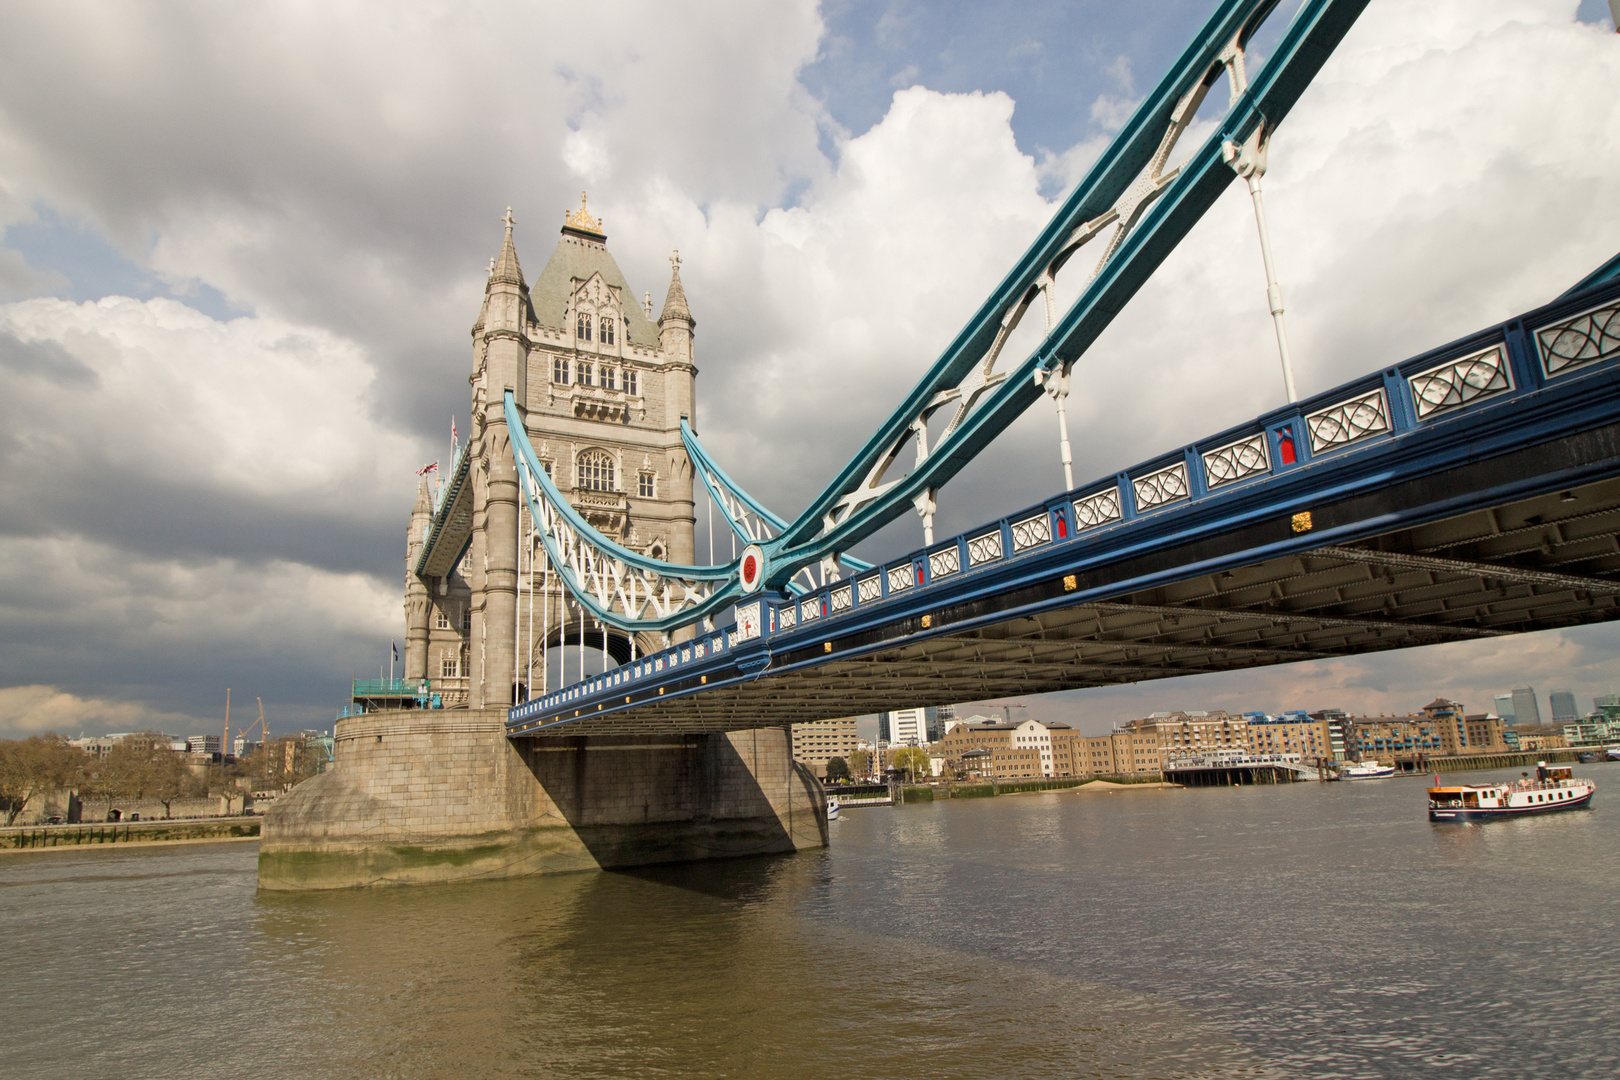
(193, 830)
(423, 796)
(921, 793)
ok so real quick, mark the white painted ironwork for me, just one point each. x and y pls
(1456, 383)
(748, 623)
(983, 549)
(869, 589)
(1249, 162)
(786, 617)
(902, 578)
(840, 599)
(1160, 488)
(1234, 461)
(810, 609)
(1348, 421)
(1031, 532)
(1099, 509)
(944, 562)
(972, 389)
(1590, 336)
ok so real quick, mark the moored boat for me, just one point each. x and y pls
(1366, 770)
(832, 808)
(1555, 787)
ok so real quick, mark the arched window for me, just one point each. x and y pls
(594, 471)
(607, 377)
(582, 327)
(631, 382)
(559, 369)
(607, 330)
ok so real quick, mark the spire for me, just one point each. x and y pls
(424, 500)
(506, 270)
(675, 302)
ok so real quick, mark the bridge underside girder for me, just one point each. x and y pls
(1533, 564)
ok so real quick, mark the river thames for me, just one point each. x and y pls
(1312, 931)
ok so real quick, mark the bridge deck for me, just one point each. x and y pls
(1472, 491)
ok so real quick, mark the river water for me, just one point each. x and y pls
(1312, 930)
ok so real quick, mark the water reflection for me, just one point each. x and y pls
(1315, 930)
(709, 970)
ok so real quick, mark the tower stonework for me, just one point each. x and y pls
(440, 793)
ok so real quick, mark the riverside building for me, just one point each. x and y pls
(817, 743)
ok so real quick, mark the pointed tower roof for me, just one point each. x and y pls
(581, 252)
(506, 270)
(424, 501)
(675, 301)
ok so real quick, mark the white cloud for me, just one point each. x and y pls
(34, 710)
(254, 406)
(340, 170)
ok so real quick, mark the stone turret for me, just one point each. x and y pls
(417, 600)
(675, 334)
(502, 359)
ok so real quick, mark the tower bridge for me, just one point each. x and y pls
(1471, 491)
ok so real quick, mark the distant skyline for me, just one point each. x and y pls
(241, 247)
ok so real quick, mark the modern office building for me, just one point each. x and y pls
(910, 727)
(1504, 708)
(1525, 709)
(817, 743)
(1563, 707)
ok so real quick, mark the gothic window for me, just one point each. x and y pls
(607, 331)
(466, 619)
(559, 369)
(582, 327)
(442, 622)
(449, 668)
(644, 486)
(608, 377)
(595, 472)
(630, 381)
(546, 465)
(585, 373)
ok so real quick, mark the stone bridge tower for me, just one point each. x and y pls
(603, 390)
(442, 793)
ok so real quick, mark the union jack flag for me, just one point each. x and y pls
(424, 470)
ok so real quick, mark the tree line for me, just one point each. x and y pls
(140, 768)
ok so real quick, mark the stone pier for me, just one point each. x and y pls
(414, 797)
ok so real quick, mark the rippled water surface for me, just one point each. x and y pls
(1312, 931)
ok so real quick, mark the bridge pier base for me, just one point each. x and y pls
(415, 797)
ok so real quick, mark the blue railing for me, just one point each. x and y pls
(1511, 362)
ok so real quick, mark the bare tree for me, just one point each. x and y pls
(32, 767)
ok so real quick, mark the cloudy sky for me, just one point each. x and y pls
(241, 246)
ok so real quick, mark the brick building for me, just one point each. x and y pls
(816, 744)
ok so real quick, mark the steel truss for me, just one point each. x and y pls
(1143, 207)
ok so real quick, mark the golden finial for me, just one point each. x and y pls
(581, 219)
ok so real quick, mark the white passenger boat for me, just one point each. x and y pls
(832, 808)
(1366, 770)
(1555, 787)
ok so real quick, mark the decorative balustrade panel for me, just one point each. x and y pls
(944, 563)
(1032, 532)
(902, 578)
(1161, 488)
(1235, 461)
(984, 549)
(1347, 422)
(1456, 383)
(841, 599)
(787, 617)
(1099, 509)
(869, 589)
(1588, 337)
